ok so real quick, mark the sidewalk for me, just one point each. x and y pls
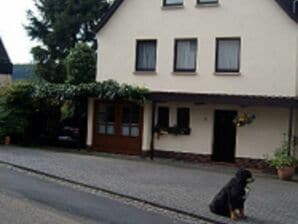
(185, 187)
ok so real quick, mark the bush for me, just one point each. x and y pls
(284, 155)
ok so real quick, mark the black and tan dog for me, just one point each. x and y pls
(230, 200)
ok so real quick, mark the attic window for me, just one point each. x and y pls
(172, 2)
(207, 2)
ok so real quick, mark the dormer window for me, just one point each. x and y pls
(172, 2)
(207, 2)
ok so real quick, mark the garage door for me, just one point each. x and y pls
(118, 127)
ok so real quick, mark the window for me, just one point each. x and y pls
(163, 117)
(185, 55)
(146, 55)
(207, 1)
(183, 118)
(228, 55)
(106, 119)
(130, 121)
(172, 2)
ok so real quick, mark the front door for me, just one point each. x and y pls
(224, 141)
(118, 127)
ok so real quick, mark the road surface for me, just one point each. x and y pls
(26, 198)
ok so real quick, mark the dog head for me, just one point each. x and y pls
(245, 176)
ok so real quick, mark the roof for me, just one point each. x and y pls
(287, 5)
(106, 17)
(241, 100)
(5, 63)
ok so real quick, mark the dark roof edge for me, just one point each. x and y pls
(108, 15)
(288, 7)
(242, 100)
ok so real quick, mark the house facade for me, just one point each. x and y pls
(209, 65)
(5, 66)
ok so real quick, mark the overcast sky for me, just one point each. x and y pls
(12, 18)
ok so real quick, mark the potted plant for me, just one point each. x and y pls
(284, 160)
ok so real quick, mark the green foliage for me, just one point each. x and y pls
(16, 106)
(29, 109)
(59, 25)
(81, 64)
(106, 90)
(284, 155)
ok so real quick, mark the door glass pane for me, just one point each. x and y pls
(102, 108)
(106, 119)
(126, 115)
(102, 129)
(110, 130)
(111, 114)
(135, 131)
(102, 118)
(135, 114)
(125, 130)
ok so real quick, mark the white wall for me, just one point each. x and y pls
(252, 141)
(5, 79)
(268, 55)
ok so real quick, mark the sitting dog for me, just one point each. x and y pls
(231, 198)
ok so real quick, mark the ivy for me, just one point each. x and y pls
(106, 90)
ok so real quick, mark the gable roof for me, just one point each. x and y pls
(5, 63)
(287, 5)
(106, 17)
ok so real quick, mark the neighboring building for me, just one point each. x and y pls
(5, 66)
(206, 62)
(22, 72)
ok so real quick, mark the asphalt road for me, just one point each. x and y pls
(28, 199)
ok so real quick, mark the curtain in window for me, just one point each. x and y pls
(186, 54)
(174, 2)
(146, 55)
(228, 55)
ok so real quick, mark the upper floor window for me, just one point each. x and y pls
(146, 55)
(185, 55)
(207, 1)
(228, 54)
(172, 2)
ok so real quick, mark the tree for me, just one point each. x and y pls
(81, 64)
(59, 25)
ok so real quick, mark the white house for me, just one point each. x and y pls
(207, 63)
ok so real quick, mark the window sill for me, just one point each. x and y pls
(184, 73)
(204, 5)
(145, 73)
(227, 73)
(170, 7)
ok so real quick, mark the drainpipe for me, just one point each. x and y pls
(294, 6)
(290, 131)
(152, 130)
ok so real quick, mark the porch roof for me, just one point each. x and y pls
(241, 100)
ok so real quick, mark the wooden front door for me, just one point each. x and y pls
(118, 127)
(224, 141)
